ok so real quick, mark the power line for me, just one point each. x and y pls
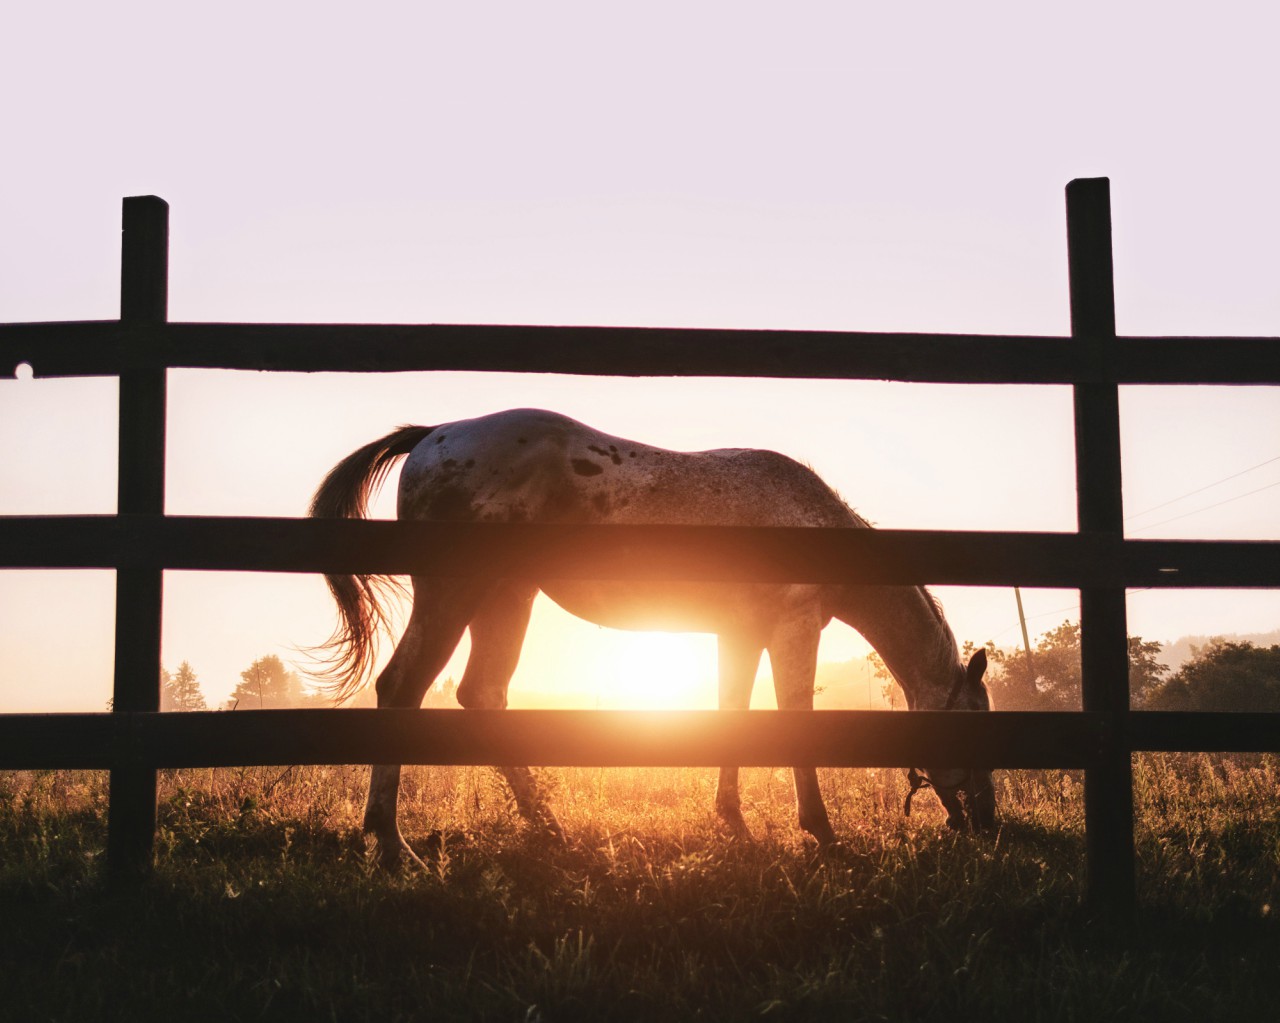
(1199, 490)
(1217, 504)
(1057, 610)
(1032, 618)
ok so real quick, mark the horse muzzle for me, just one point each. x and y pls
(968, 796)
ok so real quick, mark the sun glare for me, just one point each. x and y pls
(657, 671)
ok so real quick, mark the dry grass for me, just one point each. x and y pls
(264, 904)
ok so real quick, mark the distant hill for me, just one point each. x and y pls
(1176, 654)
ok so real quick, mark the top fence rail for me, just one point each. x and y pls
(108, 347)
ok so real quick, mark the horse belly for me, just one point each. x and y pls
(666, 606)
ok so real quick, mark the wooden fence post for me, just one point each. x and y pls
(1104, 645)
(144, 287)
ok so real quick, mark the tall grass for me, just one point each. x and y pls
(264, 904)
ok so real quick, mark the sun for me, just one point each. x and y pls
(655, 671)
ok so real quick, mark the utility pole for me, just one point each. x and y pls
(1026, 641)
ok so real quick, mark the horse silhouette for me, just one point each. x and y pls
(529, 465)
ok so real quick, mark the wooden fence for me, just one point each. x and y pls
(140, 542)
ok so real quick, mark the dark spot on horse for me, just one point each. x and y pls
(601, 503)
(583, 467)
(612, 453)
(522, 440)
(631, 455)
(449, 463)
(469, 463)
(598, 451)
(449, 504)
(440, 439)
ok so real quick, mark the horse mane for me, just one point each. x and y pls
(935, 605)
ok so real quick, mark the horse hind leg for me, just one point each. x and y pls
(793, 654)
(497, 636)
(739, 659)
(435, 627)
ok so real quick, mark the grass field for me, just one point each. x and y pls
(264, 905)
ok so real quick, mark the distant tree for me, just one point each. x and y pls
(890, 691)
(443, 695)
(1224, 676)
(267, 684)
(181, 690)
(1050, 678)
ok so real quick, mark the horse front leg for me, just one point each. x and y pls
(739, 659)
(380, 817)
(793, 655)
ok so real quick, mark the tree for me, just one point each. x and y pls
(443, 696)
(1050, 678)
(1224, 676)
(181, 690)
(890, 691)
(267, 684)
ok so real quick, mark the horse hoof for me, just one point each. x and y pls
(824, 836)
(391, 854)
(732, 823)
(554, 836)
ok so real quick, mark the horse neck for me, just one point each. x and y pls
(904, 626)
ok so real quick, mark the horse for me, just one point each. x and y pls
(530, 465)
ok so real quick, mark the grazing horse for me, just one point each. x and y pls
(527, 465)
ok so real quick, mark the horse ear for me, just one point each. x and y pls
(977, 668)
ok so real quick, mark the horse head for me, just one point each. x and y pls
(967, 793)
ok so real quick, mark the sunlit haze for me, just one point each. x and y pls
(825, 166)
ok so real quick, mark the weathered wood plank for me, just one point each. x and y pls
(144, 293)
(585, 738)
(1066, 560)
(1203, 732)
(97, 348)
(1104, 662)
(588, 738)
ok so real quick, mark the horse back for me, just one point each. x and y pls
(528, 465)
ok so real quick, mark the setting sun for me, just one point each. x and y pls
(656, 671)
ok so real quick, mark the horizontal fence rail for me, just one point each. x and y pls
(687, 553)
(106, 347)
(568, 738)
(141, 543)
(606, 738)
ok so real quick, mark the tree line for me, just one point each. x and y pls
(1221, 675)
(267, 684)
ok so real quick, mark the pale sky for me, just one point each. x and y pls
(842, 166)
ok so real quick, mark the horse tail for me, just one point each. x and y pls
(346, 658)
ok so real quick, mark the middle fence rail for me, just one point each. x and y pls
(141, 542)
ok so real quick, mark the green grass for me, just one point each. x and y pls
(264, 905)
